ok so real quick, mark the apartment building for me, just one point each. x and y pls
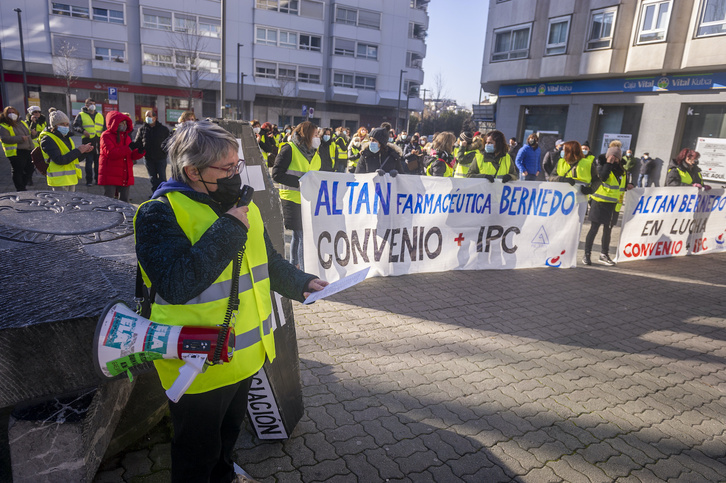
(336, 62)
(650, 72)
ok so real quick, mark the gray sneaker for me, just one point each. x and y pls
(605, 260)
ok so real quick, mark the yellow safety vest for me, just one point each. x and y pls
(686, 177)
(455, 152)
(487, 167)
(252, 323)
(611, 191)
(92, 125)
(463, 165)
(342, 149)
(447, 174)
(62, 174)
(265, 154)
(278, 139)
(39, 128)
(582, 174)
(299, 165)
(12, 149)
(353, 162)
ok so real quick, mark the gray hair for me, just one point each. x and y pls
(199, 144)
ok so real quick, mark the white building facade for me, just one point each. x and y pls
(337, 62)
(651, 70)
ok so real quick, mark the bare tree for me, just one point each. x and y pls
(189, 63)
(66, 66)
(284, 90)
(439, 92)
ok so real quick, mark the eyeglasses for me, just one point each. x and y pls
(232, 170)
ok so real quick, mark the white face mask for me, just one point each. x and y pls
(316, 143)
(13, 116)
(91, 107)
(256, 130)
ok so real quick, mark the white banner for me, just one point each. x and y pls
(672, 222)
(414, 224)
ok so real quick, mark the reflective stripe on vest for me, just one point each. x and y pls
(299, 165)
(92, 125)
(254, 339)
(469, 157)
(61, 174)
(487, 167)
(610, 191)
(582, 173)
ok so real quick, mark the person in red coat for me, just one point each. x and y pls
(116, 163)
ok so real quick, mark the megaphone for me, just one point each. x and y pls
(125, 339)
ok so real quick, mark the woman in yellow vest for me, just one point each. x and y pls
(439, 161)
(295, 159)
(605, 202)
(684, 170)
(496, 162)
(469, 152)
(355, 147)
(17, 141)
(61, 153)
(189, 239)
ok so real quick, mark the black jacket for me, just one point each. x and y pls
(386, 159)
(674, 179)
(152, 139)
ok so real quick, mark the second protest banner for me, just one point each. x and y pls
(414, 224)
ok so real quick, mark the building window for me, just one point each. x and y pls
(157, 21)
(266, 36)
(602, 25)
(616, 120)
(543, 118)
(267, 70)
(288, 39)
(346, 15)
(107, 15)
(367, 51)
(158, 59)
(287, 72)
(210, 28)
(414, 60)
(209, 63)
(369, 19)
(654, 17)
(105, 53)
(70, 10)
(343, 80)
(310, 42)
(365, 82)
(416, 31)
(713, 18)
(511, 43)
(185, 24)
(344, 47)
(308, 75)
(282, 6)
(558, 31)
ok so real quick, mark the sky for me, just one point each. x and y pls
(455, 48)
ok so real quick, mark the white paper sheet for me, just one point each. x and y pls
(339, 286)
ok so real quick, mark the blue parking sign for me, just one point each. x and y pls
(112, 95)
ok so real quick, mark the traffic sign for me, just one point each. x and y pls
(112, 95)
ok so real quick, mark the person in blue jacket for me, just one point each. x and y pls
(528, 159)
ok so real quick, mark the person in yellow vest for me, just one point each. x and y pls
(587, 153)
(684, 170)
(496, 163)
(328, 151)
(266, 141)
(17, 141)
(37, 122)
(574, 168)
(355, 147)
(62, 154)
(439, 160)
(605, 202)
(296, 158)
(90, 125)
(341, 140)
(470, 151)
(190, 239)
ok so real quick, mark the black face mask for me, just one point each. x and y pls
(228, 190)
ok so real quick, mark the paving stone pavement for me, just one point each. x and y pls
(585, 375)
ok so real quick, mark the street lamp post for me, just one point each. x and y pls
(3, 93)
(239, 74)
(398, 104)
(242, 76)
(22, 60)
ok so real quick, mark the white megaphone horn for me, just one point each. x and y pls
(125, 339)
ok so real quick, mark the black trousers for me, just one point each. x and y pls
(157, 172)
(21, 166)
(206, 427)
(92, 159)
